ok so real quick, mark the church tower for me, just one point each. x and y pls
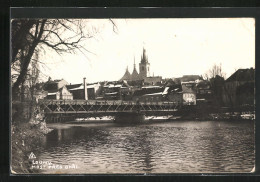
(144, 66)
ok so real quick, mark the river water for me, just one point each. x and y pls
(161, 147)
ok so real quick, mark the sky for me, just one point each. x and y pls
(175, 47)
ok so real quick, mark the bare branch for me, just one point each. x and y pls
(115, 29)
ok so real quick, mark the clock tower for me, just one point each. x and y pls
(144, 66)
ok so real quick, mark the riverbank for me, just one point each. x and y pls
(24, 137)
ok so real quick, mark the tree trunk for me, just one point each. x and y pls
(25, 62)
(19, 36)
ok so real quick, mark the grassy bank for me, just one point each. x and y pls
(24, 137)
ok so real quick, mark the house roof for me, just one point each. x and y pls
(169, 83)
(188, 88)
(172, 89)
(146, 91)
(69, 87)
(127, 75)
(242, 75)
(187, 78)
(125, 84)
(51, 93)
(151, 87)
(135, 75)
(50, 86)
(165, 90)
(81, 87)
(112, 93)
(203, 85)
(158, 93)
(94, 85)
(135, 82)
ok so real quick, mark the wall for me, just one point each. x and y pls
(65, 94)
(230, 96)
(175, 97)
(62, 83)
(189, 98)
(144, 69)
(152, 80)
(91, 93)
(78, 94)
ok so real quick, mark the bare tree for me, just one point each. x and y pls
(216, 77)
(31, 36)
(61, 35)
(214, 71)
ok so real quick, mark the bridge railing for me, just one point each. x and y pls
(102, 102)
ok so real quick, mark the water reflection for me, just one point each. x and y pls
(173, 147)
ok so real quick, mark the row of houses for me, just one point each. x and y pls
(188, 90)
(120, 90)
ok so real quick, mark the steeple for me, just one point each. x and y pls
(127, 75)
(135, 75)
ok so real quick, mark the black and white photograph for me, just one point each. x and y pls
(132, 95)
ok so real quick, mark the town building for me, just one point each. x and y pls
(77, 91)
(217, 84)
(203, 92)
(189, 92)
(173, 92)
(61, 90)
(187, 78)
(54, 85)
(84, 91)
(57, 90)
(117, 90)
(60, 94)
(149, 94)
(239, 88)
(153, 80)
(154, 97)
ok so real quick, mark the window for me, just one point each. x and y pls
(142, 68)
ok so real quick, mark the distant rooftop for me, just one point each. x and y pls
(72, 86)
(242, 75)
(187, 78)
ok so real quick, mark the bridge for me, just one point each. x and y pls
(90, 108)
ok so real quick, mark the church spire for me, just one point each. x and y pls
(134, 63)
(135, 75)
(144, 58)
